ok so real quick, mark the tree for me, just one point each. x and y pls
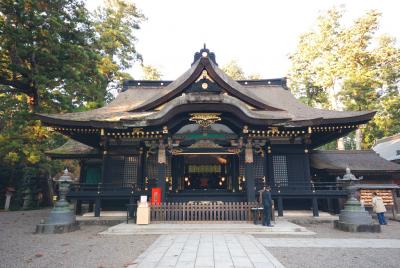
(55, 52)
(55, 57)
(233, 70)
(45, 52)
(314, 64)
(23, 164)
(115, 26)
(338, 67)
(151, 73)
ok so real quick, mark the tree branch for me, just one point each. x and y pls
(18, 86)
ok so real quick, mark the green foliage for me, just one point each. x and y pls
(151, 73)
(57, 53)
(22, 145)
(45, 52)
(55, 57)
(115, 26)
(234, 71)
(337, 66)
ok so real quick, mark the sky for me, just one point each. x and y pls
(258, 34)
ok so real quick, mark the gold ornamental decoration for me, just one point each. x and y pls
(205, 120)
(248, 153)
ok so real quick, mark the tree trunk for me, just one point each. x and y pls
(35, 101)
(358, 138)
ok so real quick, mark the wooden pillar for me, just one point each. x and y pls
(315, 207)
(161, 174)
(131, 208)
(78, 207)
(97, 207)
(104, 145)
(329, 204)
(265, 165)
(142, 169)
(234, 172)
(269, 171)
(307, 169)
(82, 178)
(280, 206)
(175, 173)
(91, 206)
(250, 182)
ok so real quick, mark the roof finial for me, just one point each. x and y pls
(205, 53)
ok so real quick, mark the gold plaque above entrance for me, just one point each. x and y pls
(205, 119)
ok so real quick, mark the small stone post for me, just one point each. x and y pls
(9, 193)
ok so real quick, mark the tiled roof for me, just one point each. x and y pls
(356, 160)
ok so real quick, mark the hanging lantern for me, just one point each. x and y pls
(162, 157)
(248, 153)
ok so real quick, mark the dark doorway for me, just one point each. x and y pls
(206, 172)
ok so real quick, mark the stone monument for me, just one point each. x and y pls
(354, 217)
(62, 217)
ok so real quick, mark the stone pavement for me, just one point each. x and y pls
(329, 243)
(206, 250)
(280, 227)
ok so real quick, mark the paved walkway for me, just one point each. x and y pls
(206, 250)
(329, 243)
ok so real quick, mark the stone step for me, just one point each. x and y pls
(282, 227)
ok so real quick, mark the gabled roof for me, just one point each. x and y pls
(358, 161)
(389, 147)
(72, 150)
(263, 102)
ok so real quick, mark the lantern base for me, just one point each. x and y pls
(349, 227)
(46, 228)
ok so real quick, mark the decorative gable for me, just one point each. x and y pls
(204, 84)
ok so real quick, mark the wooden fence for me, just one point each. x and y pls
(210, 211)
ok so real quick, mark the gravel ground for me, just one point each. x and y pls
(19, 247)
(326, 230)
(336, 257)
(339, 257)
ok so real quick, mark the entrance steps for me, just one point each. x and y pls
(280, 227)
(306, 217)
(109, 218)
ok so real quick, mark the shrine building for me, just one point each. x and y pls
(207, 137)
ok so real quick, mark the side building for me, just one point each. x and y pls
(202, 137)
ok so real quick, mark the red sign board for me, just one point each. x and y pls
(155, 196)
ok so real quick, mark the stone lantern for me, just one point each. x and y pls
(354, 217)
(62, 217)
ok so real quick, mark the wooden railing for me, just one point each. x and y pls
(102, 187)
(202, 211)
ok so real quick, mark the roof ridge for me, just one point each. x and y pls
(390, 138)
(344, 151)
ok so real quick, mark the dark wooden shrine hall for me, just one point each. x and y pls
(202, 137)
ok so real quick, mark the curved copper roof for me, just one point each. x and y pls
(147, 102)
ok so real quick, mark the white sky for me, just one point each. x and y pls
(258, 34)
